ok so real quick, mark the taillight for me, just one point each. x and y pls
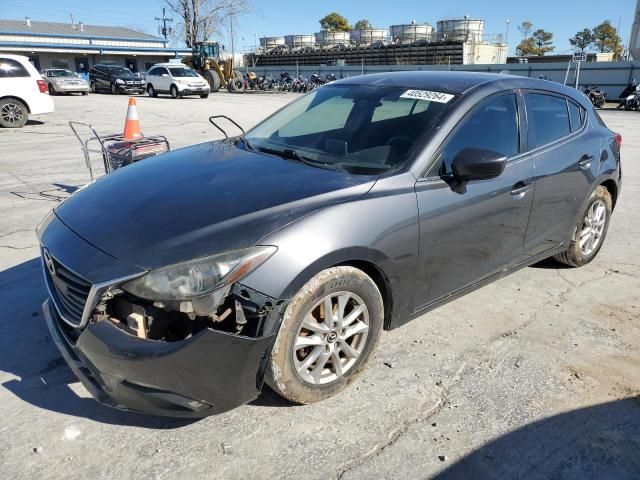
(618, 138)
(42, 86)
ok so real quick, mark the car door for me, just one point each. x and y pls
(566, 155)
(164, 79)
(152, 77)
(102, 78)
(473, 229)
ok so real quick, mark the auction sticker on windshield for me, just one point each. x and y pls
(427, 95)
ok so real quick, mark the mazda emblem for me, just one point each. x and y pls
(48, 261)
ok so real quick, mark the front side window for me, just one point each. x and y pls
(358, 128)
(492, 126)
(11, 69)
(114, 70)
(154, 71)
(547, 118)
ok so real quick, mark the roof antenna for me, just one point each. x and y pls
(73, 25)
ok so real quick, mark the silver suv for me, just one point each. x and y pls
(175, 79)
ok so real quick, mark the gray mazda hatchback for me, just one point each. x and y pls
(281, 255)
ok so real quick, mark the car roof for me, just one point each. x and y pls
(456, 83)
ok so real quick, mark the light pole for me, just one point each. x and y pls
(506, 40)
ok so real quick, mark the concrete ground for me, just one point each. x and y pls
(534, 376)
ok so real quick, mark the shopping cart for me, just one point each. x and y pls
(117, 151)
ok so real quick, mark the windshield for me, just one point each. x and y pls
(119, 71)
(60, 73)
(182, 72)
(361, 129)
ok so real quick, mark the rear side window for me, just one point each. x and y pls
(11, 69)
(548, 118)
(480, 130)
(576, 114)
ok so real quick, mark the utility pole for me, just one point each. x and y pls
(233, 52)
(164, 30)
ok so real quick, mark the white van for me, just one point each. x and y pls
(23, 92)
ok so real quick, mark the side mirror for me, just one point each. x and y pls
(165, 74)
(477, 164)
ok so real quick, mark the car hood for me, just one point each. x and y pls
(198, 201)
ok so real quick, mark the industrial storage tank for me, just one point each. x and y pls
(269, 43)
(297, 42)
(461, 30)
(369, 36)
(411, 33)
(330, 39)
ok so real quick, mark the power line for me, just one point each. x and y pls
(164, 30)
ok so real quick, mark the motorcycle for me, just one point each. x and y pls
(597, 96)
(630, 97)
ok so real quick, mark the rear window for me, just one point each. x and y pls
(10, 68)
(548, 119)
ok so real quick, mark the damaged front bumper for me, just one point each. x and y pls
(208, 373)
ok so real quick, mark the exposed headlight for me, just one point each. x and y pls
(119, 81)
(198, 277)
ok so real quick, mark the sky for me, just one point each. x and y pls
(280, 17)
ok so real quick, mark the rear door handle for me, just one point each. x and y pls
(520, 189)
(585, 162)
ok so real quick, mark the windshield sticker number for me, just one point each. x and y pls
(427, 95)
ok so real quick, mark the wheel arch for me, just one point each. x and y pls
(612, 187)
(14, 97)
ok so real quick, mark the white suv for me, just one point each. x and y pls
(176, 79)
(23, 92)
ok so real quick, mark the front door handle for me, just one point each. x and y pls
(520, 189)
(585, 162)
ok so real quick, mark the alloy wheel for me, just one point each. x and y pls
(12, 113)
(593, 227)
(331, 338)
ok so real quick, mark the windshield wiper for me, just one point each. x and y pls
(242, 139)
(292, 154)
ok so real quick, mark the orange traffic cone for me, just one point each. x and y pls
(132, 123)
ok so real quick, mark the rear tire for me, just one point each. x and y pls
(13, 113)
(590, 230)
(92, 86)
(316, 356)
(213, 79)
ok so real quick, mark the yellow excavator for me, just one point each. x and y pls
(205, 59)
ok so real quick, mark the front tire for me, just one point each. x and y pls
(590, 231)
(114, 89)
(174, 92)
(151, 91)
(52, 91)
(316, 355)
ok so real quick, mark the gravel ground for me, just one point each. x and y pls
(533, 376)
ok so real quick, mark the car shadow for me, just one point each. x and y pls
(34, 122)
(36, 372)
(597, 442)
(550, 264)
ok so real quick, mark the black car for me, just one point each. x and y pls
(114, 79)
(281, 255)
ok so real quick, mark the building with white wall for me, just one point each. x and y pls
(78, 47)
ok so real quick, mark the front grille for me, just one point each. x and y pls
(69, 291)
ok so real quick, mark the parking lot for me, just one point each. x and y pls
(535, 375)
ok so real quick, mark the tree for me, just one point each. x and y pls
(539, 43)
(606, 39)
(582, 39)
(334, 22)
(363, 24)
(543, 41)
(525, 29)
(199, 19)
